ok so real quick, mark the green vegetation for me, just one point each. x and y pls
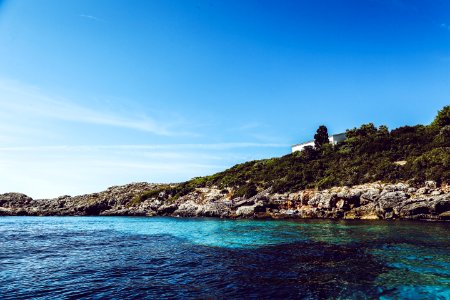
(369, 154)
(247, 191)
(321, 137)
(443, 117)
(166, 189)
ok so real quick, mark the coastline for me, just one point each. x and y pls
(371, 201)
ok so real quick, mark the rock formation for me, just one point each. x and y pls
(368, 201)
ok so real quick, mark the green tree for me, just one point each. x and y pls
(321, 137)
(383, 130)
(364, 131)
(443, 138)
(443, 117)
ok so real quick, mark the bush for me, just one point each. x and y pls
(246, 191)
(443, 117)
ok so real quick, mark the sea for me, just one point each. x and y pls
(206, 258)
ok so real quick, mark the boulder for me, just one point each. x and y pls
(370, 195)
(187, 209)
(245, 211)
(214, 209)
(445, 215)
(167, 209)
(441, 204)
(430, 184)
(366, 212)
(414, 209)
(390, 199)
(323, 200)
(423, 191)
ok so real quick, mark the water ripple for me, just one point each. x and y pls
(136, 258)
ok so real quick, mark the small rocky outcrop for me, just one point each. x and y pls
(14, 204)
(368, 201)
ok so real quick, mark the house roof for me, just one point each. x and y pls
(312, 141)
(336, 134)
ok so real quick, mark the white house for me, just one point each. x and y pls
(334, 139)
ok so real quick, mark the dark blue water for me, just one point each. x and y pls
(125, 257)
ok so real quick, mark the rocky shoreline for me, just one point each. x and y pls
(368, 201)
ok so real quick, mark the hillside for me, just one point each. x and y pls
(374, 174)
(410, 153)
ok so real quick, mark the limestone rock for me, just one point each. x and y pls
(245, 211)
(444, 215)
(370, 195)
(430, 184)
(366, 201)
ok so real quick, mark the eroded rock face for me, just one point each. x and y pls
(116, 200)
(14, 199)
(14, 203)
(367, 201)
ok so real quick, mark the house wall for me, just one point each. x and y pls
(334, 139)
(337, 138)
(302, 146)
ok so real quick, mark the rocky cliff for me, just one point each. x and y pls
(368, 201)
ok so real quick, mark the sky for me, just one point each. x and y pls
(95, 93)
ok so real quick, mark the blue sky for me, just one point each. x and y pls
(97, 93)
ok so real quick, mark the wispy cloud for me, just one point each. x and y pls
(212, 146)
(22, 99)
(44, 151)
(445, 26)
(91, 17)
(250, 126)
(395, 3)
(50, 171)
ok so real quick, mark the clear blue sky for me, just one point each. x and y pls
(96, 93)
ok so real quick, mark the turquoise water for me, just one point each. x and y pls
(128, 257)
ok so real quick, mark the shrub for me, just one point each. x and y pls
(443, 117)
(246, 191)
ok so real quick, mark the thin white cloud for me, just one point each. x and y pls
(212, 146)
(91, 17)
(250, 126)
(47, 176)
(20, 99)
(396, 3)
(50, 171)
(445, 26)
(41, 155)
